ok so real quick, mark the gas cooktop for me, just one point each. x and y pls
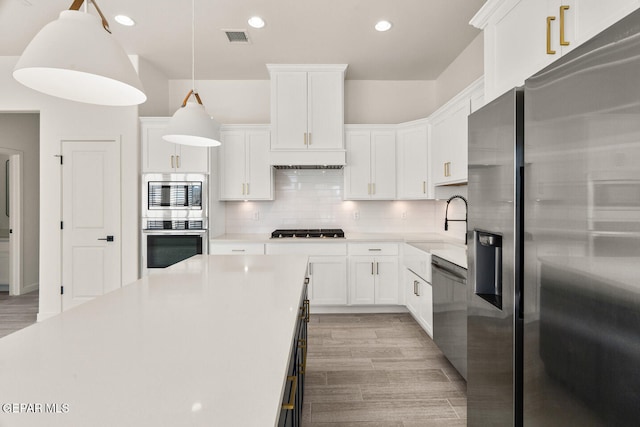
(333, 233)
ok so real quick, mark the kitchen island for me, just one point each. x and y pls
(205, 343)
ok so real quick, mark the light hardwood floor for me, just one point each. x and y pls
(17, 312)
(378, 370)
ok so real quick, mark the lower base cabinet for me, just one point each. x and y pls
(291, 412)
(328, 277)
(374, 280)
(419, 300)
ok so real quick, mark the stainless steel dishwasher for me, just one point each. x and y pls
(449, 283)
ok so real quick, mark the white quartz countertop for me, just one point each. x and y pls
(204, 343)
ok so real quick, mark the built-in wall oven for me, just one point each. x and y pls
(174, 222)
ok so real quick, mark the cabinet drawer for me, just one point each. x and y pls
(236, 249)
(318, 249)
(373, 249)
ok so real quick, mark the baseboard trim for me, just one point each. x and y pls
(355, 309)
(30, 288)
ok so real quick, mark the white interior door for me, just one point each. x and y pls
(15, 224)
(91, 220)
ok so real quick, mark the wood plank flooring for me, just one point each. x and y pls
(17, 312)
(378, 370)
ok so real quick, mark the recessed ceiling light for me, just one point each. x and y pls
(124, 20)
(383, 26)
(256, 22)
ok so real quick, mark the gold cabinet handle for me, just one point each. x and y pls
(373, 188)
(178, 162)
(305, 138)
(243, 188)
(417, 288)
(445, 169)
(309, 138)
(563, 41)
(415, 292)
(248, 192)
(292, 395)
(549, 50)
(172, 157)
(305, 311)
(302, 344)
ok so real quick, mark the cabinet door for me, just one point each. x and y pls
(386, 277)
(289, 115)
(410, 280)
(158, 155)
(192, 159)
(259, 174)
(357, 172)
(328, 280)
(383, 165)
(232, 165)
(516, 39)
(425, 306)
(450, 145)
(586, 18)
(325, 110)
(413, 171)
(362, 280)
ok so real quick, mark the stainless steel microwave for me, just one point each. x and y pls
(174, 196)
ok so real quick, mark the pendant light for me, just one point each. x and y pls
(190, 124)
(75, 58)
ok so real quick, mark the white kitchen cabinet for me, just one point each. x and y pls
(419, 295)
(449, 145)
(374, 274)
(307, 107)
(521, 37)
(162, 156)
(413, 161)
(243, 163)
(328, 280)
(370, 172)
(449, 138)
(327, 269)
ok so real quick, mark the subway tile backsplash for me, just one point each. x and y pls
(307, 198)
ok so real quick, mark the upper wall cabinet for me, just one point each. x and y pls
(307, 107)
(162, 156)
(449, 136)
(523, 36)
(243, 163)
(412, 152)
(370, 173)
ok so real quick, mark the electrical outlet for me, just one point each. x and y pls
(256, 216)
(356, 215)
(403, 215)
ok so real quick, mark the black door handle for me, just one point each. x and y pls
(108, 238)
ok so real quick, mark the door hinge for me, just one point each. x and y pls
(58, 155)
(61, 290)
(61, 225)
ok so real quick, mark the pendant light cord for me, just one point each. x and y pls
(193, 46)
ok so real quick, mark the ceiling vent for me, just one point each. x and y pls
(237, 36)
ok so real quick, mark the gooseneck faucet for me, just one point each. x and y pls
(466, 213)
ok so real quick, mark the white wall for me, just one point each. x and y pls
(464, 70)
(60, 120)
(21, 132)
(156, 87)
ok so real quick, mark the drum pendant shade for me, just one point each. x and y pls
(191, 125)
(74, 58)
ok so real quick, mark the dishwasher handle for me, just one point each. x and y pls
(448, 273)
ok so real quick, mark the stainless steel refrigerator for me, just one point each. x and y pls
(553, 316)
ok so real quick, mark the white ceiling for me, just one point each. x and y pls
(426, 35)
